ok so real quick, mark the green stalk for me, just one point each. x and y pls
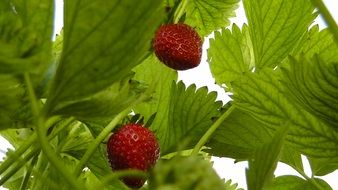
(180, 10)
(35, 151)
(17, 154)
(42, 137)
(311, 180)
(93, 146)
(23, 148)
(28, 173)
(327, 17)
(211, 130)
(18, 166)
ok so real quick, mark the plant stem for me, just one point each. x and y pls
(18, 166)
(28, 173)
(17, 154)
(93, 146)
(211, 130)
(41, 133)
(309, 179)
(327, 17)
(23, 148)
(24, 159)
(180, 10)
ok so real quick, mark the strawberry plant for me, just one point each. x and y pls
(61, 100)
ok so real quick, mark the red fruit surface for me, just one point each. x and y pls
(133, 147)
(178, 46)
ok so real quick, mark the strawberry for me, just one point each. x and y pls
(178, 46)
(133, 147)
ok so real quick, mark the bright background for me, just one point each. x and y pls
(201, 76)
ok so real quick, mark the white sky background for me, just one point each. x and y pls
(201, 76)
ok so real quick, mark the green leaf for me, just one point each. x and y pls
(25, 36)
(102, 48)
(238, 136)
(210, 15)
(289, 182)
(104, 104)
(230, 55)
(262, 166)
(318, 42)
(321, 167)
(314, 85)
(276, 27)
(187, 116)
(263, 96)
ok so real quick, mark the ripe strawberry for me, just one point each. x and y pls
(178, 46)
(133, 147)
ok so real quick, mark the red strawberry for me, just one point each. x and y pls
(178, 46)
(133, 147)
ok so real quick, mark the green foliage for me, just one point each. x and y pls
(59, 100)
(238, 136)
(230, 54)
(187, 117)
(262, 95)
(313, 84)
(25, 36)
(98, 54)
(276, 27)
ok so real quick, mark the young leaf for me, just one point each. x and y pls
(102, 48)
(210, 15)
(230, 54)
(263, 96)
(25, 36)
(262, 166)
(289, 182)
(276, 27)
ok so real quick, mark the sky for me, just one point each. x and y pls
(224, 167)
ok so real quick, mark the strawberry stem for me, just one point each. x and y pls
(93, 146)
(327, 17)
(211, 130)
(180, 10)
(42, 137)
